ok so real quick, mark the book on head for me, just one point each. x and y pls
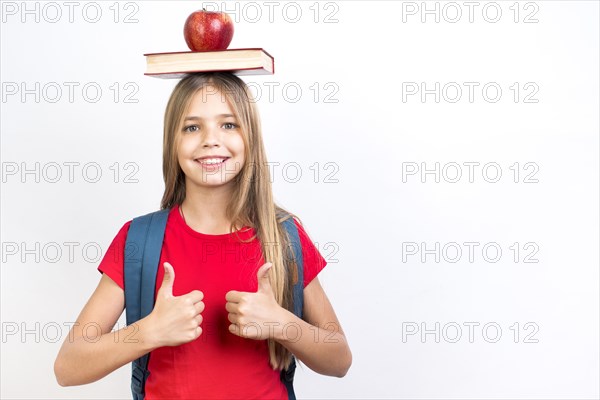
(254, 61)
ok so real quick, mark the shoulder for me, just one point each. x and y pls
(147, 218)
(165, 213)
(313, 261)
(122, 233)
(125, 227)
(302, 232)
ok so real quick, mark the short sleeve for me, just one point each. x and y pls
(112, 263)
(313, 261)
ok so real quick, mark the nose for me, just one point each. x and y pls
(210, 138)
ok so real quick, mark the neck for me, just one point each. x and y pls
(206, 207)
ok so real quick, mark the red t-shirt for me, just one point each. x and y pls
(219, 364)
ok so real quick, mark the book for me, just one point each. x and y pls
(253, 61)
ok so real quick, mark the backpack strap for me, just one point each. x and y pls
(142, 254)
(287, 375)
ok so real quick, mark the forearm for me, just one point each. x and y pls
(324, 350)
(84, 360)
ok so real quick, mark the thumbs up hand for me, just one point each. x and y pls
(255, 315)
(175, 319)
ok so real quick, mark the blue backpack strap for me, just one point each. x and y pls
(287, 375)
(142, 255)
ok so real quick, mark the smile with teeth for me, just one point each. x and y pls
(212, 161)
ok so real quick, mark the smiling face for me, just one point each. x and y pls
(210, 144)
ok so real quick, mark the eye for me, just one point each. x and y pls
(233, 126)
(189, 128)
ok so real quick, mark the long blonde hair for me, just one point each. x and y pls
(252, 201)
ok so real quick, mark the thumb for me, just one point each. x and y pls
(263, 277)
(167, 284)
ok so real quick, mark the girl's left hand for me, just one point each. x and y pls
(255, 315)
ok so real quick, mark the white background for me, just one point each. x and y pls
(362, 223)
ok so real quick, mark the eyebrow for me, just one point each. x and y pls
(191, 117)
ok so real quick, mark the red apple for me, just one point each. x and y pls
(208, 30)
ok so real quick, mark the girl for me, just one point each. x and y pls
(213, 282)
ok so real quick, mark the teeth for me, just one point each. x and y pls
(212, 161)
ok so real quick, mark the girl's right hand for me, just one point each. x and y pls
(175, 320)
